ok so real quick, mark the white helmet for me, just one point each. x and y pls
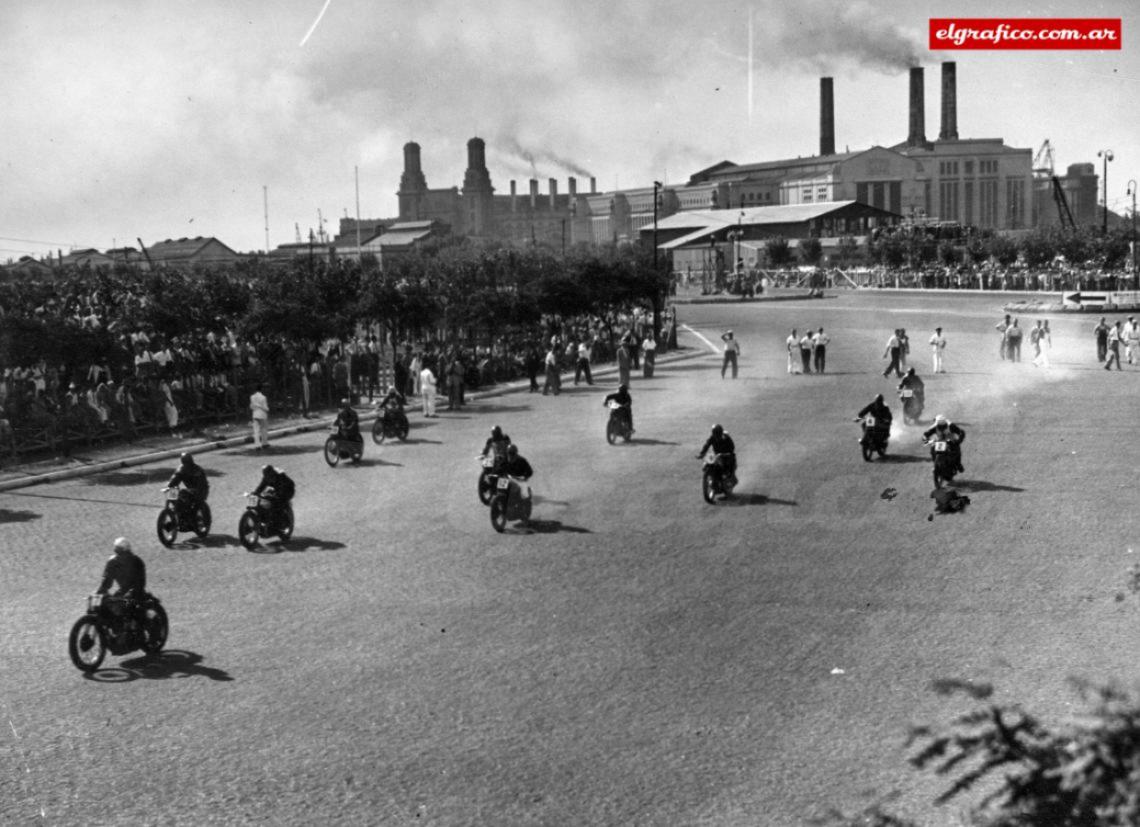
(122, 544)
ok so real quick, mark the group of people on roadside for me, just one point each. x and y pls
(1117, 337)
(807, 352)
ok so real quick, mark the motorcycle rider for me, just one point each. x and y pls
(913, 383)
(946, 431)
(127, 570)
(622, 398)
(195, 487)
(277, 487)
(516, 464)
(348, 423)
(497, 446)
(722, 445)
(392, 404)
(878, 409)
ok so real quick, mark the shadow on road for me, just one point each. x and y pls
(545, 527)
(643, 441)
(754, 499)
(209, 541)
(296, 544)
(7, 516)
(902, 459)
(125, 478)
(416, 442)
(985, 485)
(172, 663)
(368, 462)
(482, 407)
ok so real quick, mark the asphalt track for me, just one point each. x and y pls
(634, 656)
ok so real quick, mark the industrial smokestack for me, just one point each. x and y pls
(826, 117)
(949, 102)
(553, 192)
(917, 136)
(533, 193)
(593, 185)
(514, 195)
(572, 186)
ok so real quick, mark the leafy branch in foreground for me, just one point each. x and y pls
(1084, 772)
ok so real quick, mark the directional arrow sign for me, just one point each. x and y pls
(1086, 298)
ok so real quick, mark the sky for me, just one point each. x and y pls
(155, 119)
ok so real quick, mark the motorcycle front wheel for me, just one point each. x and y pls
(865, 445)
(378, 431)
(86, 644)
(155, 628)
(167, 527)
(248, 531)
(611, 432)
(486, 490)
(708, 487)
(499, 513)
(203, 519)
(332, 452)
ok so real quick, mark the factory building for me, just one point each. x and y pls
(979, 182)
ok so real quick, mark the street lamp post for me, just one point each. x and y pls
(1106, 154)
(1132, 192)
(657, 186)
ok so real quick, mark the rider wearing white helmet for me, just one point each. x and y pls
(946, 431)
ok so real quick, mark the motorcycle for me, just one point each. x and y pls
(258, 521)
(118, 626)
(874, 439)
(338, 448)
(715, 481)
(178, 515)
(945, 463)
(618, 426)
(511, 501)
(390, 424)
(487, 479)
(912, 405)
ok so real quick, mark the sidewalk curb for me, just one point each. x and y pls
(207, 445)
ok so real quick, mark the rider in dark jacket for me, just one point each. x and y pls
(878, 409)
(496, 447)
(516, 465)
(913, 383)
(277, 487)
(392, 403)
(126, 570)
(190, 475)
(621, 397)
(722, 445)
(348, 423)
(951, 434)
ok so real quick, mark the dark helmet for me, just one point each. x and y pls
(268, 469)
(512, 450)
(910, 371)
(344, 402)
(623, 387)
(187, 459)
(496, 432)
(717, 430)
(879, 398)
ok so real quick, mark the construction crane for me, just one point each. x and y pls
(1042, 170)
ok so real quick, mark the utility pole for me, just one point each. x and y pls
(1132, 192)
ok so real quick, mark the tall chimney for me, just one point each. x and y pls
(826, 117)
(533, 193)
(593, 185)
(553, 192)
(572, 186)
(917, 136)
(514, 195)
(949, 102)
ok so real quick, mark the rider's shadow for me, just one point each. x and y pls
(296, 543)
(209, 541)
(172, 663)
(545, 527)
(754, 499)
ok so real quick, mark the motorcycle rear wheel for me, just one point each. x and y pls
(86, 644)
(285, 531)
(332, 452)
(401, 428)
(486, 489)
(155, 627)
(248, 531)
(499, 513)
(167, 527)
(203, 519)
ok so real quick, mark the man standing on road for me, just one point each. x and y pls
(805, 351)
(892, 351)
(1101, 332)
(1002, 327)
(582, 367)
(1013, 342)
(937, 347)
(1115, 341)
(793, 348)
(259, 411)
(427, 391)
(1132, 340)
(731, 351)
(819, 346)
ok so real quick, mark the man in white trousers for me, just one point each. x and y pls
(427, 391)
(937, 348)
(259, 412)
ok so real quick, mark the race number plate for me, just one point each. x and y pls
(503, 483)
(939, 446)
(869, 421)
(907, 393)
